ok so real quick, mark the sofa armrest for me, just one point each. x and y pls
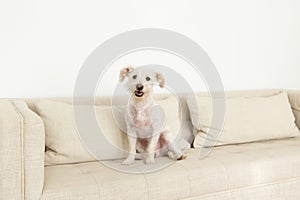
(11, 185)
(294, 98)
(33, 149)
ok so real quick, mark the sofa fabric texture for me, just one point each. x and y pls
(33, 150)
(22, 147)
(267, 169)
(11, 152)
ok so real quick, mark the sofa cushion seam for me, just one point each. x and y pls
(91, 177)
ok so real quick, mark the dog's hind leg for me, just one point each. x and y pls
(173, 152)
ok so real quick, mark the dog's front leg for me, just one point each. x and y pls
(149, 159)
(132, 150)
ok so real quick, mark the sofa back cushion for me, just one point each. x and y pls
(186, 125)
(63, 144)
(63, 141)
(247, 119)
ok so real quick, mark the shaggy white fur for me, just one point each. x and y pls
(146, 130)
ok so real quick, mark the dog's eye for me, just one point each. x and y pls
(134, 76)
(148, 78)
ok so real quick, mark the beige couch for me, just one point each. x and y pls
(258, 170)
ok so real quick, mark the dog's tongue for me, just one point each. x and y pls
(138, 93)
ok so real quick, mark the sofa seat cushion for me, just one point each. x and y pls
(225, 168)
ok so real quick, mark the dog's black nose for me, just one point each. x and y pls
(139, 87)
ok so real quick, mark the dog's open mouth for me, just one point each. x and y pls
(138, 93)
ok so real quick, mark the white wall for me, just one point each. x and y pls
(254, 44)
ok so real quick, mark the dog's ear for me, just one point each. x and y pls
(160, 79)
(124, 72)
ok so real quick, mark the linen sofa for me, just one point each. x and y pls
(265, 169)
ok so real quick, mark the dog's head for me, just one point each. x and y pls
(140, 80)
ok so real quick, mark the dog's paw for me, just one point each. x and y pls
(172, 155)
(149, 160)
(182, 157)
(176, 157)
(128, 161)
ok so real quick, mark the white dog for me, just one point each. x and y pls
(146, 131)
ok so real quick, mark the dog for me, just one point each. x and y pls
(147, 136)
